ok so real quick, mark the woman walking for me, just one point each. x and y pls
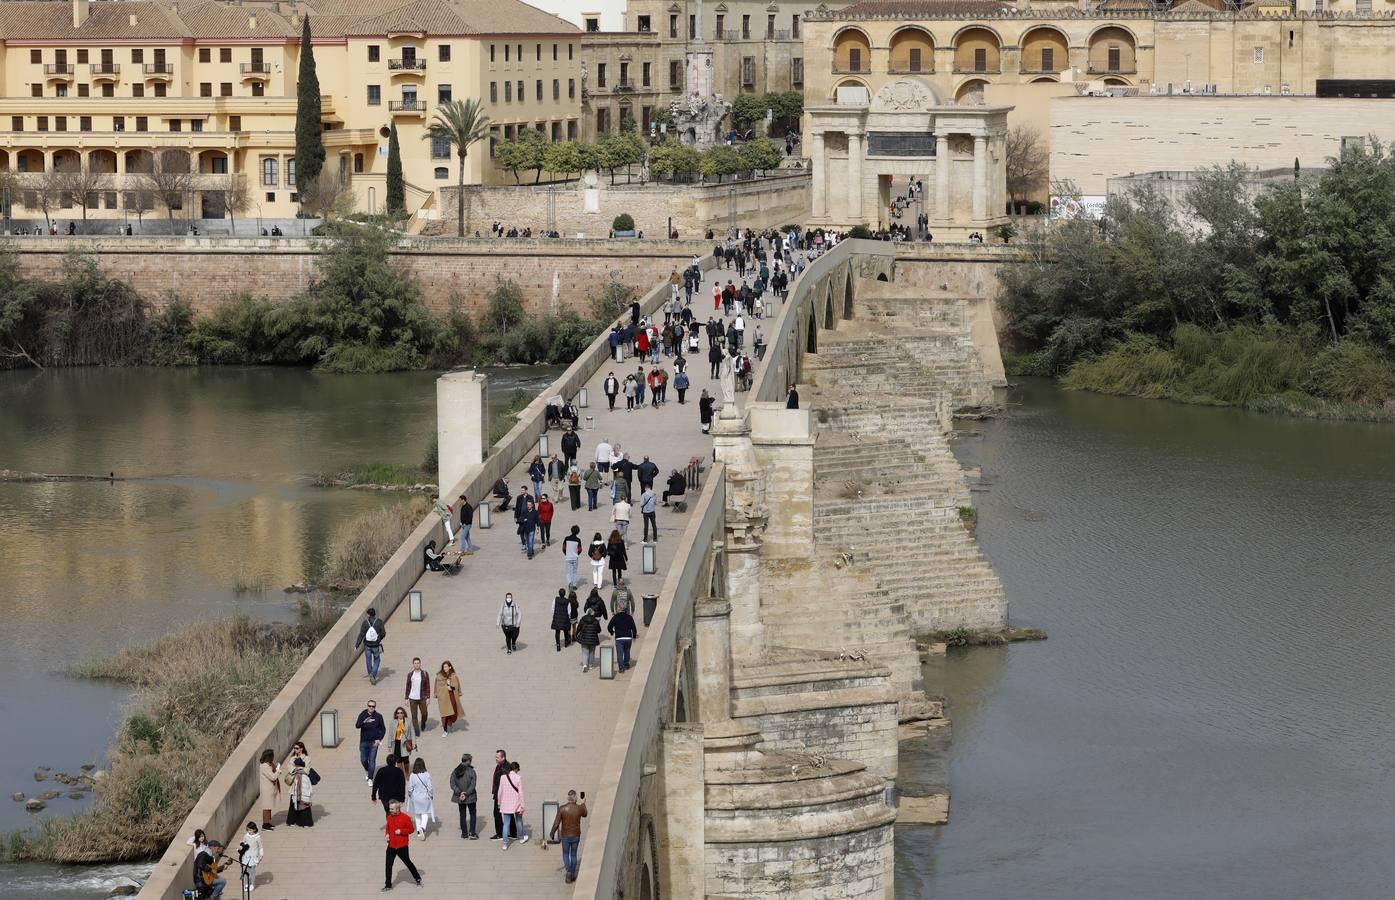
(302, 789)
(269, 786)
(595, 605)
(510, 618)
(421, 797)
(574, 486)
(401, 734)
(615, 550)
(596, 552)
(511, 804)
(447, 692)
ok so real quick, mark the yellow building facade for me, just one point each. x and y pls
(117, 88)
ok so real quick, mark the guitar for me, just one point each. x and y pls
(211, 872)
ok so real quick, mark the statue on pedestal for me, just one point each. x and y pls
(698, 120)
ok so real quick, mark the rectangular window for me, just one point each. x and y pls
(108, 89)
(440, 148)
(109, 199)
(268, 172)
(142, 123)
(569, 51)
(797, 72)
(270, 196)
(1048, 58)
(600, 75)
(571, 88)
(745, 28)
(60, 90)
(644, 74)
(508, 52)
(539, 58)
(493, 92)
(443, 53)
(673, 27)
(520, 91)
(675, 74)
(159, 89)
(84, 123)
(176, 125)
(855, 59)
(443, 93)
(206, 89)
(137, 90)
(82, 57)
(692, 27)
(556, 89)
(915, 59)
(358, 163)
(234, 123)
(1259, 51)
(196, 124)
(36, 90)
(16, 123)
(205, 54)
(770, 27)
(491, 53)
(556, 132)
(290, 172)
(748, 71)
(225, 54)
(642, 25)
(137, 55)
(60, 123)
(980, 60)
(554, 52)
(508, 92)
(258, 89)
(721, 20)
(571, 130)
(82, 90)
(1113, 59)
(539, 90)
(374, 53)
(218, 165)
(118, 123)
(36, 56)
(225, 89)
(602, 120)
(794, 26)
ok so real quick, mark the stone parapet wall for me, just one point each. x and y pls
(829, 868)
(587, 208)
(207, 272)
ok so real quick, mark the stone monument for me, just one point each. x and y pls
(698, 119)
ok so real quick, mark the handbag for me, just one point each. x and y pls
(408, 745)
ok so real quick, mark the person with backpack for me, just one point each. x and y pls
(571, 553)
(510, 619)
(371, 632)
(597, 553)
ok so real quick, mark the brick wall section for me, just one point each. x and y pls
(207, 272)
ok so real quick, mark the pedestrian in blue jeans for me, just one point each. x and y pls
(467, 519)
(622, 626)
(371, 632)
(528, 526)
(371, 729)
(568, 821)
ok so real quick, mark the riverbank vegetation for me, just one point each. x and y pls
(360, 546)
(199, 689)
(361, 314)
(1280, 299)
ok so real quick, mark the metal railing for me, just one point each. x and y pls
(407, 106)
(159, 68)
(1111, 70)
(407, 65)
(58, 69)
(863, 69)
(255, 68)
(104, 68)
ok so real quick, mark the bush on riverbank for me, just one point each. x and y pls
(361, 545)
(1280, 301)
(199, 690)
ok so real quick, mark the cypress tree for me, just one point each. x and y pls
(396, 193)
(309, 146)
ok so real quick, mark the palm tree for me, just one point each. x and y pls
(461, 123)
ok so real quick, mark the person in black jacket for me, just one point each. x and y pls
(647, 472)
(571, 443)
(595, 605)
(371, 730)
(371, 632)
(677, 486)
(462, 791)
(588, 635)
(467, 519)
(714, 356)
(528, 525)
(501, 766)
(501, 493)
(563, 612)
(622, 626)
(390, 783)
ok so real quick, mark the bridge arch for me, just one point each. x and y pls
(829, 321)
(848, 294)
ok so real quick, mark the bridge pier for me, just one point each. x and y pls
(462, 426)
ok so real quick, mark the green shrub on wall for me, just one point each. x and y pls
(623, 222)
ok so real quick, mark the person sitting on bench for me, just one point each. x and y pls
(677, 486)
(570, 414)
(435, 560)
(501, 493)
(552, 413)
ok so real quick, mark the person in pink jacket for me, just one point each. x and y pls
(511, 804)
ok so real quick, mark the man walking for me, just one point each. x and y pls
(647, 472)
(620, 515)
(418, 691)
(371, 730)
(501, 766)
(592, 483)
(622, 626)
(462, 788)
(545, 510)
(563, 612)
(371, 632)
(389, 784)
(398, 829)
(571, 553)
(467, 519)
(648, 506)
(571, 443)
(568, 821)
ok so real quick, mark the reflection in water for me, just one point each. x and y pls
(1212, 714)
(219, 459)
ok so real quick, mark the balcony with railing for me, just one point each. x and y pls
(58, 71)
(407, 107)
(975, 70)
(104, 71)
(625, 86)
(255, 70)
(1122, 69)
(414, 65)
(159, 71)
(862, 69)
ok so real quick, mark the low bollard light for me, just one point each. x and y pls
(329, 728)
(550, 809)
(542, 446)
(770, 309)
(583, 398)
(607, 664)
(590, 423)
(649, 557)
(483, 513)
(415, 612)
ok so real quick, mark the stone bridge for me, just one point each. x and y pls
(752, 749)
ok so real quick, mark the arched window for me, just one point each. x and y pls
(442, 172)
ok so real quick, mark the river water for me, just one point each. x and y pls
(220, 496)
(1213, 714)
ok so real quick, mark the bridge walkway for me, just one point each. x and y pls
(536, 703)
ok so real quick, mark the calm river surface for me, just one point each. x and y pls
(1214, 713)
(220, 459)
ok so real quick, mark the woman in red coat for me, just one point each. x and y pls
(545, 520)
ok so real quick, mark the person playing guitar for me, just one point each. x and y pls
(206, 871)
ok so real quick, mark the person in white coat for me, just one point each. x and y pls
(253, 855)
(421, 798)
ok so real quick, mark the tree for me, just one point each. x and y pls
(748, 109)
(48, 191)
(1025, 162)
(81, 182)
(170, 179)
(10, 188)
(620, 150)
(786, 108)
(329, 195)
(528, 152)
(396, 189)
(309, 144)
(563, 157)
(673, 158)
(760, 154)
(237, 196)
(505, 306)
(17, 309)
(720, 160)
(461, 123)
